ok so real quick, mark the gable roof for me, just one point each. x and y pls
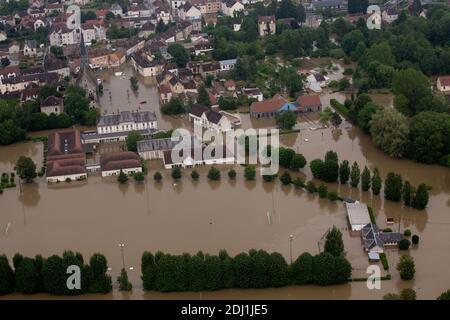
(271, 105)
(444, 80)
(309, 101)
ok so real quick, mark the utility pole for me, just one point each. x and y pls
(121, 246)
(291, 238)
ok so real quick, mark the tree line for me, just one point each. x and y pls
(329, 170)
(49, 275)
(255, 269)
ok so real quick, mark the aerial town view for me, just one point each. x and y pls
(224, 150)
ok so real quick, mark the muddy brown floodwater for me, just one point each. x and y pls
(95, 216)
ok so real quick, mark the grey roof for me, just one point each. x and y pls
(155, 144)
(94, 135)
(372, 236)
(358, 213)
(127, 116)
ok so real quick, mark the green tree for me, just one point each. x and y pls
(406, 267)
(26, 169)
(174, 106)
(124, 283)
(355, 175)
(122, 177)
(407, 194)
(311, 187)
(286, 119)
(365, 179)
(28, 279)
(285, 178)
(322, 190)
(323, 267)
(176, 173)
(242, 270)
(389, 130)
(301, 270)
(393, 187)
(330, 171)
(203, 97)
(132, 139)
(232, 174)
(421, 197)
(298, 161)
(444, 295)
(214, 174)
(404, 244)
(316, 167)
(344, 172)
(157, 176)
(101, 282)
(285, 156)
(139, 176)
(179, 54)
(333, 243)
(376, 182)
(194, 175)
(7, 284)
(249, 172)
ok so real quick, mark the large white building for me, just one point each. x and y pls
(197, 157)
(358, 215)
(127, 121)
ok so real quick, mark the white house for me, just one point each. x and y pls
(209, 119)
(116, 9)
(51, 105)
(38, 23)
(358, 215)
(127, 121)
(30, 48)
(188, 158)
(443, 84)
(189, 12)
(226, 65)
(112, 163)
(175, 4)
(229, 7)
(253, 93)
(144, 66)
(3, 36)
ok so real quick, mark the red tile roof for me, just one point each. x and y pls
(444, 80)
(120, 160)
(309, 101)
(271, 105)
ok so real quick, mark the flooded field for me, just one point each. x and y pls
(97, 215)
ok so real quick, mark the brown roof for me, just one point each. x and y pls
(65, 153)
(120, 160)
(229, 84)
(164, 88)
(266, 19)
(52, 101)
(309, 101)
(444, 80)
(271, 105)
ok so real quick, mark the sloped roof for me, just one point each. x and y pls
(270, 105)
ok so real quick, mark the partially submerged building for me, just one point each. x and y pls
(127, 161)
(65, 158)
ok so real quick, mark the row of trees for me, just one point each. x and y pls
(256, 269)
(329, 170)
(38, 274)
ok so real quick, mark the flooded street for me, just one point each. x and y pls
(118, 96)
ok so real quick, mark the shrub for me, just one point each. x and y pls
(176, 173)
(214, 174)
(322, 190)
(371, 215)
(387, 230)
(299, 183)
(139, 176)
(232, 174)
(406, 267)
(122, 177)
(404, 244)
(384, 261)
(195, 175)
(415, 239)
(249, 172)
(407, 233)
(6, 276)
(408, 294)
(269, 177)
(311, 187)
(285, 178)
(124, 283)
(333, 196)
(157, 176)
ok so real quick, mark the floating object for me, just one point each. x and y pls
(7, 228)
(306, 140)
(143, 102)
(268, 218)
(118, 73)
(131, 268)
(109, 268)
